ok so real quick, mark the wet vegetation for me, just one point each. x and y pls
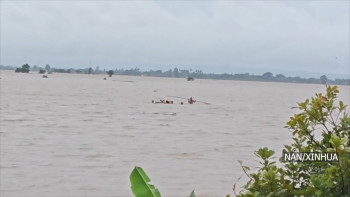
(110, 73)
(323, 125)
(24, 69)
(189, 78)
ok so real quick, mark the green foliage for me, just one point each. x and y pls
(25, 69)
(140, 184)
(42, 71)
(110, 73)
(323, 125)
(189, 78)
(192, 194)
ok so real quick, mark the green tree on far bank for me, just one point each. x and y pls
(25, 69)
(48, 68)
(324, 79)
(110, 73)
(90, 71)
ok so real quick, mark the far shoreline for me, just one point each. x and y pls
(176, 73)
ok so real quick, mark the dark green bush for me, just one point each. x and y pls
(25, 69)
(110, 73)
(189, 78)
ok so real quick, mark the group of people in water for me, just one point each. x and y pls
(190, 101)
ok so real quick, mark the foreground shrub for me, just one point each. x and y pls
(323, 125)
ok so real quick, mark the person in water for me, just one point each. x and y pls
(168, 102)
(165, 102)
(191, 101)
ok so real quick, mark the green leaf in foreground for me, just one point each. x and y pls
(140, 184)
(192, 194)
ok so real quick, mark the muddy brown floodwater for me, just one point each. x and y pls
(79, 135)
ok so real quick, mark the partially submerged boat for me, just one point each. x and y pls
(163, 102)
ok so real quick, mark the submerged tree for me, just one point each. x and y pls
(110, 73)
(25, 69)
(189, 78)
(322, 126)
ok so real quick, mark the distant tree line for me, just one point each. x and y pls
(189, 74)
(198, 74)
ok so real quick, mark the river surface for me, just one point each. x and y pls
(79, 135)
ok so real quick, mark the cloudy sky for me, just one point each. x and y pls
(288, 37)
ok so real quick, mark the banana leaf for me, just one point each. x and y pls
(192, 194)
(140, 184)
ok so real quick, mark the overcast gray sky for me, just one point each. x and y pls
(296, 37)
